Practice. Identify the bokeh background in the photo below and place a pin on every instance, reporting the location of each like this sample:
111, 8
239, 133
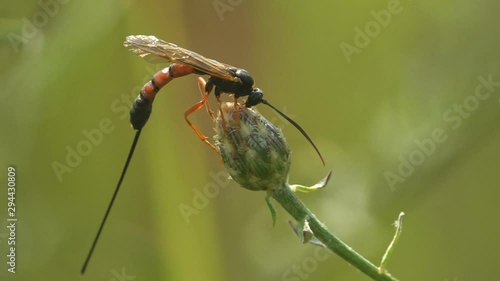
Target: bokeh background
371, 112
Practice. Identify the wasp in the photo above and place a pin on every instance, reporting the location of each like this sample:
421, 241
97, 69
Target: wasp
223, 78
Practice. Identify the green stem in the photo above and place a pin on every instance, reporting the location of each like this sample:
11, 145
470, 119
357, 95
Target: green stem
390, 249
291, 203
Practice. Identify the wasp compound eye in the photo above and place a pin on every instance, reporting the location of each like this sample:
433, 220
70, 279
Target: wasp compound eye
254, 151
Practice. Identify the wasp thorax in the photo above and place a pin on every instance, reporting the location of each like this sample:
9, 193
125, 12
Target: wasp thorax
254, 151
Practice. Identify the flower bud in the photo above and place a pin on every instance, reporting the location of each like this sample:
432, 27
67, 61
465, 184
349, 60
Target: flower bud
254, 151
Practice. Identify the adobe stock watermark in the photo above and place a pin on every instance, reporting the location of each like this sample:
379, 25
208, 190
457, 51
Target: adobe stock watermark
454, 117
309, 265
201, 198
92, 138
363, 36
223, 6
121, 276
31, 26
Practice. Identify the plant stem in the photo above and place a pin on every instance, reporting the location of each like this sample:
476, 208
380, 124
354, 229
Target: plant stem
390, 249
292, 204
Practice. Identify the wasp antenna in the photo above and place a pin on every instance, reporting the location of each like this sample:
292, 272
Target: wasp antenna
298, 128
124, 171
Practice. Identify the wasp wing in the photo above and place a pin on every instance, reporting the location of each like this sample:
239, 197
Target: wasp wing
150, 48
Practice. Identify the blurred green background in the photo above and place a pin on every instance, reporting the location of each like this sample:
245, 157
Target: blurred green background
372, 109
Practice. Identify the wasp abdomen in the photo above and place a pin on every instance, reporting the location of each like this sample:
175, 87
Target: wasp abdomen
141, 109
140, 112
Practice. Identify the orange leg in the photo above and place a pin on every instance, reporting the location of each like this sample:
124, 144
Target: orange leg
192, 110
221, 115
201, 85
236, 110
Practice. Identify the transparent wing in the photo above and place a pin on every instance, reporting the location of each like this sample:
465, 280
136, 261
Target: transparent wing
150, 48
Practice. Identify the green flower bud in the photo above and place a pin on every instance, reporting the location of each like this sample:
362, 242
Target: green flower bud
254, 151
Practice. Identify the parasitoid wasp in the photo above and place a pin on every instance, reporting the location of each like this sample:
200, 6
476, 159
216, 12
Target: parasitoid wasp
223, 78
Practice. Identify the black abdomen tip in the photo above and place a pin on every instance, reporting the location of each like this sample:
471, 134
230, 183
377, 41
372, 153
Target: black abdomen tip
140, 112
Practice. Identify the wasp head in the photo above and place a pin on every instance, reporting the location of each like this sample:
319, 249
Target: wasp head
254, 98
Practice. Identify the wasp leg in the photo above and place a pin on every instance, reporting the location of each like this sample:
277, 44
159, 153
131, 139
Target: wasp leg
192, 110
219, 104
236, 110
202, 85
